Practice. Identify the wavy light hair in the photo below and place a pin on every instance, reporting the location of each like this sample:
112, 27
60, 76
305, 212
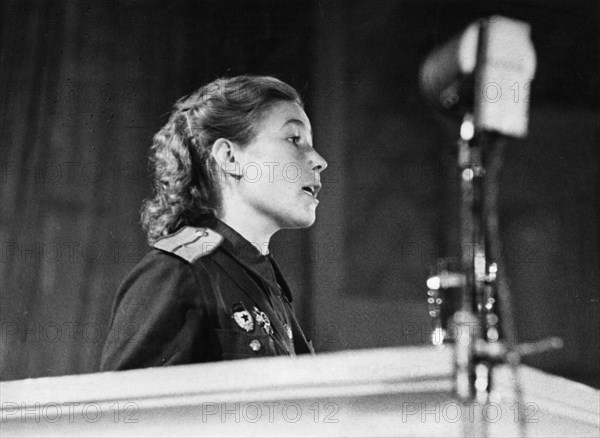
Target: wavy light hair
186, 186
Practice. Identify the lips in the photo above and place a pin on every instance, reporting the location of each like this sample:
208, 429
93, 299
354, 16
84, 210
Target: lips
312, 189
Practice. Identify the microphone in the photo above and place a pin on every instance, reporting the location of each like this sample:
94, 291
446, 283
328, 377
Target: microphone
486, 70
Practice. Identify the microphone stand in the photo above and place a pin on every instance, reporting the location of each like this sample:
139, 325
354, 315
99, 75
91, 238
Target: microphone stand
483, 328
472, 375
494, 51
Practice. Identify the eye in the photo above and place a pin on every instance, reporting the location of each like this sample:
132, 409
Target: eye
294, 139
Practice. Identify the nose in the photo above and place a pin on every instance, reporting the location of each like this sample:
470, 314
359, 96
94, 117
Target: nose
317, 162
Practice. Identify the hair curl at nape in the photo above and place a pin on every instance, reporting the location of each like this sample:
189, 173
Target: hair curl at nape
186, 186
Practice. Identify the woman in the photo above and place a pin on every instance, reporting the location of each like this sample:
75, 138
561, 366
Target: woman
233, 165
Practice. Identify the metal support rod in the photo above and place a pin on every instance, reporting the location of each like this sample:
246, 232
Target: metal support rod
473, 265
495, 150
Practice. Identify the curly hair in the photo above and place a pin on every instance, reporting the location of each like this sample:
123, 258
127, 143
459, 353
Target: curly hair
186, 187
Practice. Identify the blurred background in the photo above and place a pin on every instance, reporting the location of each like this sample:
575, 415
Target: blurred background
84, 85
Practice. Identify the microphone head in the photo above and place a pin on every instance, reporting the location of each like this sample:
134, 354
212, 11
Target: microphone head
506, 64
446, 74
486, 70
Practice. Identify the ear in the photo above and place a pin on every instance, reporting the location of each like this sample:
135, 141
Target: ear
224, 152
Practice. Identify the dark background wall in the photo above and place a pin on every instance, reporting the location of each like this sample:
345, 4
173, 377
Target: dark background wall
85, 85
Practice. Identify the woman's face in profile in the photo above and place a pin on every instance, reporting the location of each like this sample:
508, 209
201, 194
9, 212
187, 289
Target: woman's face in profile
281, 169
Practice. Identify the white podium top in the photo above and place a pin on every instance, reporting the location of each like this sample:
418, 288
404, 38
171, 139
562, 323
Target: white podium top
382, 392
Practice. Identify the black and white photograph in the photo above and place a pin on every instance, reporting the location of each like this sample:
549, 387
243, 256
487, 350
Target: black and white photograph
285, 218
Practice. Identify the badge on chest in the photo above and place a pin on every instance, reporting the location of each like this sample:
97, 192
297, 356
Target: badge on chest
263, 321
242, 317
246, 320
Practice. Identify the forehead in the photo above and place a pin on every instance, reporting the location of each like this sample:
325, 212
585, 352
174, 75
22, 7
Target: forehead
283, 114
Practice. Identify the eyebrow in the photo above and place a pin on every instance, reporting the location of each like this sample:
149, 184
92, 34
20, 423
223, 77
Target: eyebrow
296, 122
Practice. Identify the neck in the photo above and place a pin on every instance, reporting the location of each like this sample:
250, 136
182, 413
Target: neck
248, 224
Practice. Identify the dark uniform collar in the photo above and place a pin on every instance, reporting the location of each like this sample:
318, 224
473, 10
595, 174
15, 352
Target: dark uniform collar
246, 253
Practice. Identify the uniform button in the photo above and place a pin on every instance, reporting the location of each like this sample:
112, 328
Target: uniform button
255, 345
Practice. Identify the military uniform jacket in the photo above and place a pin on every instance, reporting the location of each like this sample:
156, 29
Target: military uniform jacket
202, 294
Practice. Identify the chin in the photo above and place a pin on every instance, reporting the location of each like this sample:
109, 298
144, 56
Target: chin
309, 222
303, 221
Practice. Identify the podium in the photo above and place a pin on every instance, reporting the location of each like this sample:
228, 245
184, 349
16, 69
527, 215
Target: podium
379, 392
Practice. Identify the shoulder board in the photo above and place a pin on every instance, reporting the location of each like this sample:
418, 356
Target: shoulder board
190, 243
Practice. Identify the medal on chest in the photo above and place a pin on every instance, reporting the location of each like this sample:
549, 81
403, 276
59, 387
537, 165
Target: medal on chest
242, 317
288, 330
263, 321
